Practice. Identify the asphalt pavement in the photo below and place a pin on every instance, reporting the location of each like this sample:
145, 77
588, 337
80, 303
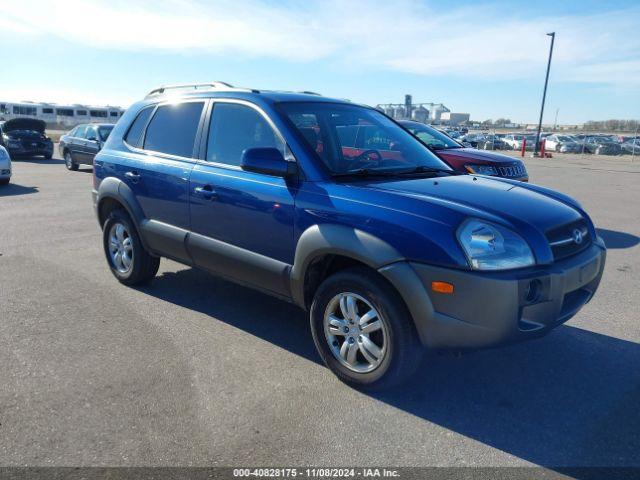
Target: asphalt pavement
193, 370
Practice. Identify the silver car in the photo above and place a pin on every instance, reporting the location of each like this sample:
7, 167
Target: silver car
5, 166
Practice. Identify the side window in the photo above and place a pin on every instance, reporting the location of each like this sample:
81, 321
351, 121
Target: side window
91, 133
428, 138
375, 138
347, 135
173, 129
81, 131
134, 135
233, 129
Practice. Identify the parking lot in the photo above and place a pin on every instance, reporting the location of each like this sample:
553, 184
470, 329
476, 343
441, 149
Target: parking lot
192, 370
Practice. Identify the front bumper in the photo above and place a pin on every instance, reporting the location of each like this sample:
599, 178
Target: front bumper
492, 308
22, 150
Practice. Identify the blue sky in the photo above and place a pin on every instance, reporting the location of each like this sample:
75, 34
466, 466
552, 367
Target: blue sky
485, 58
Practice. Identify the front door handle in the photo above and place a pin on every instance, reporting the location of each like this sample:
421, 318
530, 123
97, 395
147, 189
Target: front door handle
133, 176
206, 192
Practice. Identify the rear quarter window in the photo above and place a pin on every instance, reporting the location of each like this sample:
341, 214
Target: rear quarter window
134, 135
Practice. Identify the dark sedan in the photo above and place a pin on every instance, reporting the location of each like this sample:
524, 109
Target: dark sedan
25, 137
81, 144
600, 146
468, 160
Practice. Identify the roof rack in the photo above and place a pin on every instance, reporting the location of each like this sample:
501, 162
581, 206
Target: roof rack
308, 92
196, 86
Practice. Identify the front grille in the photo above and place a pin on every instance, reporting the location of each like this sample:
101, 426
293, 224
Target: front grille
569, 239
33, 144
515, 170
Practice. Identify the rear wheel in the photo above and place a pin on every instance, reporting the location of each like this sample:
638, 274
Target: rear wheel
129, 261
68, 161
363, 330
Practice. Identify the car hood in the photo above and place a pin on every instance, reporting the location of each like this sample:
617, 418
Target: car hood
24, 124
475, 155
515, 205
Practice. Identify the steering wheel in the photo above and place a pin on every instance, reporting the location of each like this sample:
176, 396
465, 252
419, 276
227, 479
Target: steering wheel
364, 157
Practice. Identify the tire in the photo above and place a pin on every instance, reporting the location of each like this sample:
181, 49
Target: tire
48, 156
68, 161
4, 181
120, 236
398, 352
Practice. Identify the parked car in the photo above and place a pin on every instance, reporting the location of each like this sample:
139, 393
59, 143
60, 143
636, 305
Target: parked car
5, 166
493, 142
632, 147
81, 145
25, 137
562, 143
467, 160
472, 139
389, 249
514, 140
600, 146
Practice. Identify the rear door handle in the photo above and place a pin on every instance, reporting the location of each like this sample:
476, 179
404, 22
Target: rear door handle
206, 192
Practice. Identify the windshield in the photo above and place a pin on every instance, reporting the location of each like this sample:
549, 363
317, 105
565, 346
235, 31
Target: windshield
104, 132
564, 138
432, 137
347, 138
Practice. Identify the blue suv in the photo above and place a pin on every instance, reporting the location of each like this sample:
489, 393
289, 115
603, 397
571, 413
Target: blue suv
388, 248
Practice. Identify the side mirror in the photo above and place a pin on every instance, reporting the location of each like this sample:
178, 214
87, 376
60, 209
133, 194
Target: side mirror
268, 161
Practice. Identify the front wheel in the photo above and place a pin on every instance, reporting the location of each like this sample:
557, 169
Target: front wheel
363, 331
129, 261
68, 161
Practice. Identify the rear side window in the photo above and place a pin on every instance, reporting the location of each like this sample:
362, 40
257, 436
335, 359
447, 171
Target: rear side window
233, 129
81, 132
173, 129
134, 135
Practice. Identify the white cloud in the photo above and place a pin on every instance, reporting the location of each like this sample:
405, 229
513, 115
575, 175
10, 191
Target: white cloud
405, 36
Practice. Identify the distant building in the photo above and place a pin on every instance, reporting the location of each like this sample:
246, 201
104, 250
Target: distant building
60, 115
451, 118
420, 112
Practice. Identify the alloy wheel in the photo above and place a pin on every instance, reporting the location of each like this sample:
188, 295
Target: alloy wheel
356, 332
120, 248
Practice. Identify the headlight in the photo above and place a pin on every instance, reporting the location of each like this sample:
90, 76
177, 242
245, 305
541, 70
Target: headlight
4, 155
482, 169
491, 247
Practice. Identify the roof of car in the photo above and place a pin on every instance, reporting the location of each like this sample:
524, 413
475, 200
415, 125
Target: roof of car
225, 90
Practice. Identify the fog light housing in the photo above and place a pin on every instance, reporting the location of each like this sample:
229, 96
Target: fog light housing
533, 291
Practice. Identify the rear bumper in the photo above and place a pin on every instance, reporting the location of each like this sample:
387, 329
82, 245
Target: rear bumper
489, 309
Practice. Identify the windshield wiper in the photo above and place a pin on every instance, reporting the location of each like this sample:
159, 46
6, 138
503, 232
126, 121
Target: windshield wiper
365, 172
422, 169
368, 172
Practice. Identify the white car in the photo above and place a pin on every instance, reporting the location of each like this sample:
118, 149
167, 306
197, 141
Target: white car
5, 166
562, 143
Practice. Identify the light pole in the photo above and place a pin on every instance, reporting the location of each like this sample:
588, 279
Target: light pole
544, 93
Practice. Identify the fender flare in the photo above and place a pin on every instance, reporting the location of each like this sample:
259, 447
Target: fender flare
370, 250
330, 239
115, 189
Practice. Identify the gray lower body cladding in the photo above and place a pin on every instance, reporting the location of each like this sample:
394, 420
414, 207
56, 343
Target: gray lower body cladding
489, 309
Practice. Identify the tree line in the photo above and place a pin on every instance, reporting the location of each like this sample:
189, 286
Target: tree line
612, 125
